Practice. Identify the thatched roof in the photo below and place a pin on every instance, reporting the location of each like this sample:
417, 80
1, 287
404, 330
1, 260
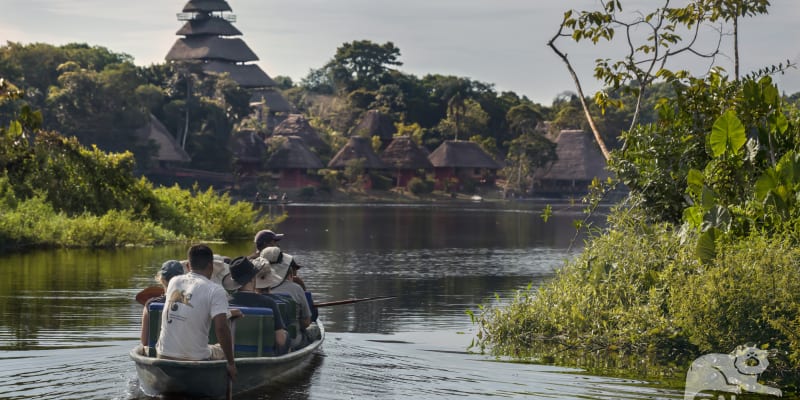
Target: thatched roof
273, 99
210, 48
246, 75
403, 153
356, 148
292, 154
579, 158
459, 154
248, 147
375, 123
297, 125
168, 147
208, 26
206, 6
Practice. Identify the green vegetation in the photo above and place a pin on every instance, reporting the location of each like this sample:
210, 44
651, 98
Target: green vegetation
55, 192
701, 256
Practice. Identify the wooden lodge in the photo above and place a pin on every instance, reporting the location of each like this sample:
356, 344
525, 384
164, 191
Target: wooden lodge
292, 164
376, 123
358, 148
463, 162
579, 162
406, 160
210, 41
297, 125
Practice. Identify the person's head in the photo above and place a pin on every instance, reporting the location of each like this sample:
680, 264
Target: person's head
242, 274
201, 258
169, 269
266, 238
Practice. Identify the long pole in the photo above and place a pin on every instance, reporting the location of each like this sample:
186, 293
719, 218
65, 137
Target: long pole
350, 301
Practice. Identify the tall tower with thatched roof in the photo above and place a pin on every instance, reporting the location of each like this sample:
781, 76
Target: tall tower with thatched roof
210, 40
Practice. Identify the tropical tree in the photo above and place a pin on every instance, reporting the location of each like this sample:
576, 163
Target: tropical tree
362, 63
647, 54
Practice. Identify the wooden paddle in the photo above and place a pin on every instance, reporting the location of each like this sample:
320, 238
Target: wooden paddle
350, 301
149, 293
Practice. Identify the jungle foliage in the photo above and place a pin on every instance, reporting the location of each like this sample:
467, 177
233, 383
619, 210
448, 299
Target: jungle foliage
702, 254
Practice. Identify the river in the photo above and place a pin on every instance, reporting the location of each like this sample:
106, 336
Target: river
68, 317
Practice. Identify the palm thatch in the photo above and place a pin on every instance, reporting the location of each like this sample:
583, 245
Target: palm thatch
206, 6
403, 153
579, 158
357, 148
208, 26
210, 48
375, 123
459, 154
297, 125
248, 147
168, 148
246, 75
271, 98
291, 153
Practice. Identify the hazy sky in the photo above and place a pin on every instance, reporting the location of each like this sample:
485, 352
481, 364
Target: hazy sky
495, 41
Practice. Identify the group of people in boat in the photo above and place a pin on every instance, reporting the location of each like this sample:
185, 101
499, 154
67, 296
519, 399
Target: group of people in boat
206, 288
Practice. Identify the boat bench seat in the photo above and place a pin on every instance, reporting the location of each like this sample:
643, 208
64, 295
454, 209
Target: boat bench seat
253, 336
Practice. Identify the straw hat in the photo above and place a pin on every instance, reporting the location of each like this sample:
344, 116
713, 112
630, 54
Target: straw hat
274, 266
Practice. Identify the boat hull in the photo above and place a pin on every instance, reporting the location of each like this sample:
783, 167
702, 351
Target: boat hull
209, 378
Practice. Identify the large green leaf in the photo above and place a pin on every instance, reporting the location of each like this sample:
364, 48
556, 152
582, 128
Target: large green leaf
706, 248
727, 135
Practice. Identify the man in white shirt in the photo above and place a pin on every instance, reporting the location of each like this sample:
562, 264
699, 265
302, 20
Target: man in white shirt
193, 302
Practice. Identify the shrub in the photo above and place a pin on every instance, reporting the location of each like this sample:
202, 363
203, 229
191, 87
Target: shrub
419, 187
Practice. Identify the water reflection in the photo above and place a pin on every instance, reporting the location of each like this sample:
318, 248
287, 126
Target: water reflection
68, 318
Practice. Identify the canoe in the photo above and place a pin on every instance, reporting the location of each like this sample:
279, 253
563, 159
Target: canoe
209, 378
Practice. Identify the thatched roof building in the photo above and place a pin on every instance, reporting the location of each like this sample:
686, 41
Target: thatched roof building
460, 154
210, 26
248, 148
403, 154
207, 48
376, 123
406, 159
292, 161
463, 162
357, 148
208, 39
297, 125
291, 153
579, 161
247, 76
169, 151
206, 6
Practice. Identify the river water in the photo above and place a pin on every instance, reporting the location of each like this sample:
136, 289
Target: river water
68, 317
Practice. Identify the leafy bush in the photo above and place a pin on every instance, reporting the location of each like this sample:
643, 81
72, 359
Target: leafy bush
419, 187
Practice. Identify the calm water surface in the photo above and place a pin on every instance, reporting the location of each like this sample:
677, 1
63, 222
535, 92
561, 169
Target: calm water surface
68, 318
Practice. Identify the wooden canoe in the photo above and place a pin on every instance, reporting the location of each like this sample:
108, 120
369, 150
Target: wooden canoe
209, 378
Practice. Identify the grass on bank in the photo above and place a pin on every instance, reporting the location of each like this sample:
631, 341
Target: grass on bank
640, 290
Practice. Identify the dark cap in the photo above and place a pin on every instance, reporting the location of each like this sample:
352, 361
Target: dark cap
170, 269
242, 271
264, 237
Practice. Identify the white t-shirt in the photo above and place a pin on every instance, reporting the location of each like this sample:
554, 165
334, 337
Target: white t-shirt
192, 302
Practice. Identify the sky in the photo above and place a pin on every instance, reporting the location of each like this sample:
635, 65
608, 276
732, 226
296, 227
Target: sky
501, 42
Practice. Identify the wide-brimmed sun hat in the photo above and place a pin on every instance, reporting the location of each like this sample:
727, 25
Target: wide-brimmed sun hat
242, 271
274, 267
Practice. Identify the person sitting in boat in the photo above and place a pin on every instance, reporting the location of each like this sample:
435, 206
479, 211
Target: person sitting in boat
169, 269
192, 303
267, 238
276, 280
242, 280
